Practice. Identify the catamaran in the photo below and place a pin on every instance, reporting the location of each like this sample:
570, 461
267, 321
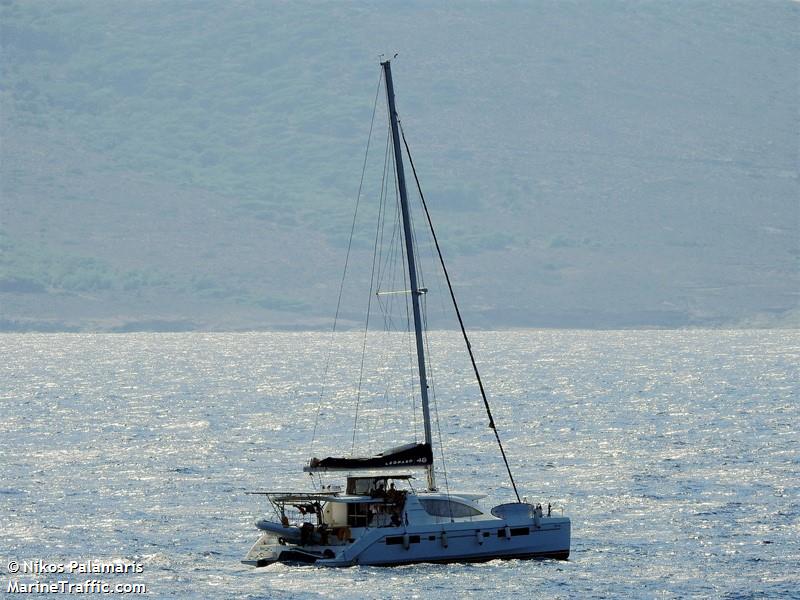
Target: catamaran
380, 517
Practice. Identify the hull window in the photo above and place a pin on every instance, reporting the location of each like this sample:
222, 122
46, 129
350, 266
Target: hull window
396, 540
443, 508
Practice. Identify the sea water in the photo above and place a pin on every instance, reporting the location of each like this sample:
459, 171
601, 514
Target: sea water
675, 453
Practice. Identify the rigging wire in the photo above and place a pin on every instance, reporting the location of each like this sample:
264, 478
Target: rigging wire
411, 343
366, 323
492, 424
384, 265
390, 265
430, 370
401, 258
431, 378
388, 272
346, 262
384, 308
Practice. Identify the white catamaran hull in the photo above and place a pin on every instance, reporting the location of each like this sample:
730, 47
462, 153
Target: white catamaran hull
476, 541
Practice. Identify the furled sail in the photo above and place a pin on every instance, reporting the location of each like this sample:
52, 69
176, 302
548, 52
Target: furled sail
408, 456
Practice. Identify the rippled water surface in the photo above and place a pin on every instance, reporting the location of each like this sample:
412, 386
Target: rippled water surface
675, 454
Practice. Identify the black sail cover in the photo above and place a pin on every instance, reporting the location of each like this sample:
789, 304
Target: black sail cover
411, 455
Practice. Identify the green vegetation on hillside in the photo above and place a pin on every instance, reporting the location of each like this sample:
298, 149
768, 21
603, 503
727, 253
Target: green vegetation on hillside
581, 161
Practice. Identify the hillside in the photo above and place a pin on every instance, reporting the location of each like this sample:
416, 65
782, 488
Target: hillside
194, 165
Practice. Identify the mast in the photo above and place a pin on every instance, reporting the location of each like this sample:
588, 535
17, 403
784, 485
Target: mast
412, 269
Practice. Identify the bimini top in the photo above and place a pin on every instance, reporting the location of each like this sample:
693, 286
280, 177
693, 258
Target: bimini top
401, 457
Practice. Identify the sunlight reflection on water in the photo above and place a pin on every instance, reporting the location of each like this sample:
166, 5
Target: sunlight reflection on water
675, 453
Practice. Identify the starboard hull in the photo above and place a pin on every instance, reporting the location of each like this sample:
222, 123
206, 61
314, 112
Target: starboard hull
451, 543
